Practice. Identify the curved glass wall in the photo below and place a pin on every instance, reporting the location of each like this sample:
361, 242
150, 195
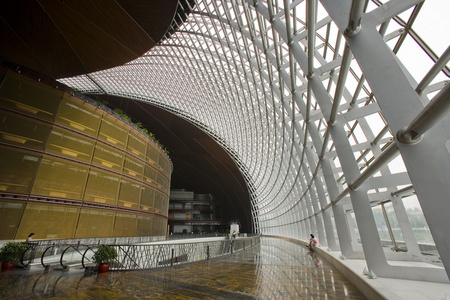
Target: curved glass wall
333, 111
72, 170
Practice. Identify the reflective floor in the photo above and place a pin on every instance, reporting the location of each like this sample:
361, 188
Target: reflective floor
277, 269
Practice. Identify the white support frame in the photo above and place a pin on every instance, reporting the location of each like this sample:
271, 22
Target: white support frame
313, 104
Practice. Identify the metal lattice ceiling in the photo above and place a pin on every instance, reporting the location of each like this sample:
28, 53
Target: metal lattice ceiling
309, 98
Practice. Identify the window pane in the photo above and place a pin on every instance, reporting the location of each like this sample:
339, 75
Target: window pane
130, 193
133, 167
112, 131
147, 199
48, 221
102, 187
94, 223
18, 168
108, 157
29, 96
125, 225
60, 178
150, 175
145, 225
137, 144
10, 214
69, 144
79, 115
23, 131
152, 155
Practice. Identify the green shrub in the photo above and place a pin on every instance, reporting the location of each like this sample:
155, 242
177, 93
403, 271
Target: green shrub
104, 254
12, 252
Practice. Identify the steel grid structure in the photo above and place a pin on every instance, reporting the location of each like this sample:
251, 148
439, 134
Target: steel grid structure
321, 111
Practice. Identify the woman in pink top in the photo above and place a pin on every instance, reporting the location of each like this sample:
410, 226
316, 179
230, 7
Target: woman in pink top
313, 243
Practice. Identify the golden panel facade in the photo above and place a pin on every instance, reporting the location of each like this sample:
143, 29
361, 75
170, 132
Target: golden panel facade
60, 178
129, 193
136, 144
23, 131
23, 94
10, 215
79, 115
147, 199
102, 187
107, 157
95, 223
48, 221
63, 142
133, 167
125, 225
112, 131
75, 170
144, 226
18, 168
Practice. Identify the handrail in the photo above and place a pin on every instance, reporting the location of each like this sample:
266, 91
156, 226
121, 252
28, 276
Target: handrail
32, 253
143, 255
84, 255
149, 256
43, 254
62, 254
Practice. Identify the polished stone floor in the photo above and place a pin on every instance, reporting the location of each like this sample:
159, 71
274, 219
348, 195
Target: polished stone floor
277, 269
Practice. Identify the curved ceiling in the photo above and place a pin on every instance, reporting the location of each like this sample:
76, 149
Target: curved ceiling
328, 108
311, 99
72, 37
200, 164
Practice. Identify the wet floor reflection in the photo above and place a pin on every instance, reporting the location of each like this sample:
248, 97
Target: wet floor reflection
277, 269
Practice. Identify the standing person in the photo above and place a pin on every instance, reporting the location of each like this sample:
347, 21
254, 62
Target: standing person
313, 243
233, 235
29, 238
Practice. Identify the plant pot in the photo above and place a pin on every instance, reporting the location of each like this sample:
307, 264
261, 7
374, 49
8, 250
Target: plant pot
7, 266
103, 268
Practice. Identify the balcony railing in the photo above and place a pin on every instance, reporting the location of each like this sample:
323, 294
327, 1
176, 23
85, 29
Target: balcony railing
133, 253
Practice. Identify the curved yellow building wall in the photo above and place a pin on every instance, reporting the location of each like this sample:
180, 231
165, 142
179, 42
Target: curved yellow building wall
69, 169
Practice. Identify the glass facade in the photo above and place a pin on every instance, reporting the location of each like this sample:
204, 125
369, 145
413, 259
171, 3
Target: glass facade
72, 170
329, 108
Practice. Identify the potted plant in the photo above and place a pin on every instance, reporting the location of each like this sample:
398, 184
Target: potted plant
10, 254
104, 255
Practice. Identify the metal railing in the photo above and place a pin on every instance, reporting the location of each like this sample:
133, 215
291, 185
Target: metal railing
132, 253
134, 257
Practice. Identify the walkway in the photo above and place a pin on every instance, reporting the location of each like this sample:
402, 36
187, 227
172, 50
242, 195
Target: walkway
277, 269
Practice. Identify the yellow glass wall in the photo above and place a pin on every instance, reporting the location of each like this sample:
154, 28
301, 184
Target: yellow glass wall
18, 168
102, 187
129, 193
23, 131
147, 199
79, 115
107, 157
25, 95
72, 170
72, 145
95, 223
10, 214
144, 226
125, 225
112, 131
60, 178
48, 221
133, 167
136, 145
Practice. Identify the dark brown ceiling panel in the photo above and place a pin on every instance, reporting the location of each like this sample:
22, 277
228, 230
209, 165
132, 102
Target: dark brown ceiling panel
72, 37
148, 15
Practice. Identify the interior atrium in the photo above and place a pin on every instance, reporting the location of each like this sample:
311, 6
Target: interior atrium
335, 113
